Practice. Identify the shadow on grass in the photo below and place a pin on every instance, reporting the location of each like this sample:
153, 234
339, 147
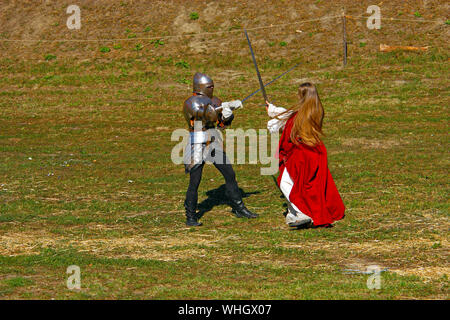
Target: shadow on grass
217, 197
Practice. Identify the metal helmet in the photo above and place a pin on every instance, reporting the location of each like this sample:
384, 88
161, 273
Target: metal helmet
203, 85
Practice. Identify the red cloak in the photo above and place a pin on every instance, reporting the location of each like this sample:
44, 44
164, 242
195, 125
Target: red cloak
314, 192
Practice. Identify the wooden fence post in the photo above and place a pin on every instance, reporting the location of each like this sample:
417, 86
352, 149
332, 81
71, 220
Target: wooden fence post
344, 36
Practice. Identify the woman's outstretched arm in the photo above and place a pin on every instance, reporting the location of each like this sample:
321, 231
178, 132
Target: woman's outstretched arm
277, 123
274, 111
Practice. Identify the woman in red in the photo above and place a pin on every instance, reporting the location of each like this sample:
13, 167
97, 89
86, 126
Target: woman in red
305, 180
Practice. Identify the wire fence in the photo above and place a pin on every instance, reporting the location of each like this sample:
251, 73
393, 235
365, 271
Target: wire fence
200, 34
314, 39
165, 37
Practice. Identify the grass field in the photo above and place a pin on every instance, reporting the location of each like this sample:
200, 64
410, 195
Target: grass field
86, 179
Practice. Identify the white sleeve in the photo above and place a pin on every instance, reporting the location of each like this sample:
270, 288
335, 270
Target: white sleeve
226, 112
229, 106
273, 111
234, 104
275, 125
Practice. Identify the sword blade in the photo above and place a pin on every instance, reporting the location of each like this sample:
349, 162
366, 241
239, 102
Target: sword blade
270, 82
261, 84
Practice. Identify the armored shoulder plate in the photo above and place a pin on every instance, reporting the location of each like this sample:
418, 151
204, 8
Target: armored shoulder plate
200, 108
216, 101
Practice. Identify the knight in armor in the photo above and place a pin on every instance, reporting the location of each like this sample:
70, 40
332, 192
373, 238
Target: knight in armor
204, 114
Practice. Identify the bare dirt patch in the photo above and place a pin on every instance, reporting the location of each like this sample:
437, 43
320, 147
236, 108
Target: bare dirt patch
430, 272
365, 143
375, 249
165, 248
26, 243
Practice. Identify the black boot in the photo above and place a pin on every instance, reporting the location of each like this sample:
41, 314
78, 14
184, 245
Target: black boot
191, 215
237, 204
240, 210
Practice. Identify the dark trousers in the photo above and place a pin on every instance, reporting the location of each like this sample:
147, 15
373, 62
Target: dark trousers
231, 185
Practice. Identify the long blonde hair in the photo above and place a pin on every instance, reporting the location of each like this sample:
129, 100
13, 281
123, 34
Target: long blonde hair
309, 118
